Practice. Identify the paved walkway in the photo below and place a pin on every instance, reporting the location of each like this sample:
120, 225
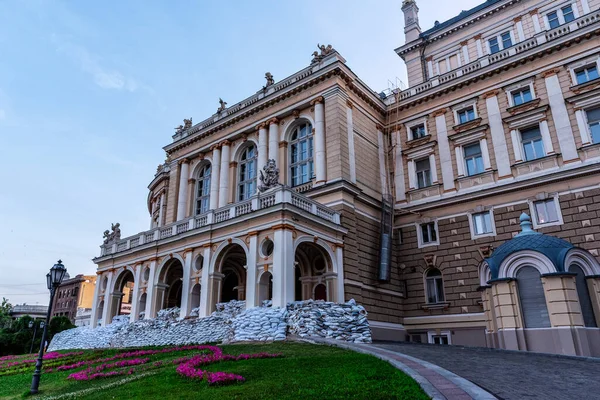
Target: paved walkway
512, 375
437, 382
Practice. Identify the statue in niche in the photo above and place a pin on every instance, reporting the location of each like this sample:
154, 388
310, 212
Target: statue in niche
269, 176
270, 79
222, 107
114, 236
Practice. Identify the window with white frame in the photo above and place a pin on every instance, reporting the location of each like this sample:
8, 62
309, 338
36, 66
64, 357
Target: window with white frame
203, 190
428, 233
533, 146
499, 42
546, 211
563, 15
465, 115
418, 131
586, 73
521, 96
520, 93
301, 154
448, 63
473, 159
441, 338
423, 172
482, 223
434, 286
593, 119
247, 173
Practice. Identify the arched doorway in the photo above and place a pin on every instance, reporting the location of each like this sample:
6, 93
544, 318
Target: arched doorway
195, 298
229, 280
265, 287
314, 275
142, 307
169, 288
99, 313
122, 294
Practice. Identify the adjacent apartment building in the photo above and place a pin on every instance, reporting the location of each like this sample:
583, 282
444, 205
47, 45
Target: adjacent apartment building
464, 209
73, 295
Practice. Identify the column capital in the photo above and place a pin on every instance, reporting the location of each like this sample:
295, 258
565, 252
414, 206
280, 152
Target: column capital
233, 164
283, 144
517, 19
187, 250
379, 127
464, 42
201, 156
477, 37
491, 93
215, 147
191, 180
533, 12
429, 58
273, 121
550, 72
318, 100
439, 112
262, 125
225, 143
349, 103
296, 114
183, 161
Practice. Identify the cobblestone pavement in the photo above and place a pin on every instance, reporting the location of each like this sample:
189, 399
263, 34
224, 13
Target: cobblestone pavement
513, 375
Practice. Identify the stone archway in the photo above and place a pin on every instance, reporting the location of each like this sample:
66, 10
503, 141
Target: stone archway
229, 278
170, 285
314, 276
142, 306
265, 287
99, 313
195, 297
122, 294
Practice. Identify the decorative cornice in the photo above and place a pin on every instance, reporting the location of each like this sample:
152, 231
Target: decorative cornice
318, 100
284, 226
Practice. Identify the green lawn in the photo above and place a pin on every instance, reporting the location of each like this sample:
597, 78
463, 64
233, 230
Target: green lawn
305, 372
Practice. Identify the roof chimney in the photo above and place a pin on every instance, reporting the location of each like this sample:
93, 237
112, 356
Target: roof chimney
412, 30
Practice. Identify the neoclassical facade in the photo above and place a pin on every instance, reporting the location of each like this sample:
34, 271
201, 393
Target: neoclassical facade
404, 200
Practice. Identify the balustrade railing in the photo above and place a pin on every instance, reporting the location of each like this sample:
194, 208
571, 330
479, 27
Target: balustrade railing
282, 194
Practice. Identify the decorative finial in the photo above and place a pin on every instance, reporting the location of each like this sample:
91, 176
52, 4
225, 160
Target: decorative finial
526, 225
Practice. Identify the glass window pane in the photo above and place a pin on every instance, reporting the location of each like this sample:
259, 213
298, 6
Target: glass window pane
425, 233
506, 40
530, 134
568, 14
538, 147
472, 150
431, 291
529, 152
494, 47
592, 73
581, 76
595, 132
294, 153
440, 289
553, 20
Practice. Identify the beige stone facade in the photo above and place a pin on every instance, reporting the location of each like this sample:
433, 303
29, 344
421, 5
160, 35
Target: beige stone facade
73, 294
501, 117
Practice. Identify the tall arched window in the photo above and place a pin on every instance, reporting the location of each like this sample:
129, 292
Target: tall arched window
247, 173
301, 154
532, 298
583, 293
203, 190
434, 286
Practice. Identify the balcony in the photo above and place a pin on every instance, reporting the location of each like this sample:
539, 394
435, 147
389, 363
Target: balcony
279, 196
537, 41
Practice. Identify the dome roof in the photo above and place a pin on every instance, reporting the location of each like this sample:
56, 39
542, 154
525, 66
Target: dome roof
554, 248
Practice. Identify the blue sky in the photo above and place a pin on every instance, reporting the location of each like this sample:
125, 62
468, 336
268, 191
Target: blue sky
90, 93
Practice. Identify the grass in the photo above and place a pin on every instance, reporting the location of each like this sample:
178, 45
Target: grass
305, 372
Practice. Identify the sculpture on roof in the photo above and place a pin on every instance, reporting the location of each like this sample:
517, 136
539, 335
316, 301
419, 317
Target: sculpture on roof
223, 105
269, 78
269, 176
187, 124
324, 52
114, 236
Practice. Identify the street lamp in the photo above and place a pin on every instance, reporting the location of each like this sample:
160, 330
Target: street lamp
53, 279
34, 326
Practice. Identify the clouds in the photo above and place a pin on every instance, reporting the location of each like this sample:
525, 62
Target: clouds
92, 64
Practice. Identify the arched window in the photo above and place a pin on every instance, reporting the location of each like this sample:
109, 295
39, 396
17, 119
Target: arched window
532, 298
434, 286
247, 173
301, 154
203, 190
583, 293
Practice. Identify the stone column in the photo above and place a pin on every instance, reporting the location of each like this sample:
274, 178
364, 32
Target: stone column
433, 167
351, 152
215, 279
498, 137
430, 66
460, 161
519, 25
215, 177
444, 151
106, 317
536, 20
319, 135
339, 256
97, 291
382, 163
485, 154
585, 6
262, 146
151, 291
184, 171
273, 142
224, 180
516, 142
204, 288
283, 267
251, 295
399, 182
583, 127
593, 284
560, 115
134, 316
546, 138
185, 287
412, 182
508, 318
478, 46
161, 211
464, 47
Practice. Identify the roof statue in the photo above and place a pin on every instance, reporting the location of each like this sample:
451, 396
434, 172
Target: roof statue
187, 124
269, 176
114, 236
324, 52
223, 105
269, 78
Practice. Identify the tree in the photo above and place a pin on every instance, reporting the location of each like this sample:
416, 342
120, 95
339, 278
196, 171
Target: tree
5, 309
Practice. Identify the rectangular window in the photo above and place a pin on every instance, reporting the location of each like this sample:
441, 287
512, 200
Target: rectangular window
553, 21
568, 14
440, 339
466, 115
533, 146
418, 131
545, 211
586, 74
423, 173
473, 159
442, 66
506, 40
453, 62
482, 223
521, 96
494, 46
428, 233
593, 117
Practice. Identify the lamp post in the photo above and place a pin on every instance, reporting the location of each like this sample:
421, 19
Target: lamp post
53, 279
34, 326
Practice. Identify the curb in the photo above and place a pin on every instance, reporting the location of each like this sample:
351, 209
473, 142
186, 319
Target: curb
467, 386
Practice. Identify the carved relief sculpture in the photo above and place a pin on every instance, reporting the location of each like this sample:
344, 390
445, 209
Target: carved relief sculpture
269, 176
